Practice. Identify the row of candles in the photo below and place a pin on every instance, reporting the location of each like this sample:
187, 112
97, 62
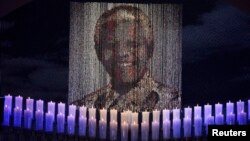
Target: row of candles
128, 121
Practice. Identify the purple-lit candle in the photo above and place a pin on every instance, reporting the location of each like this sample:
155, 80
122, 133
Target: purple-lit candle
155, 125
51, 109
197, 121
28, 113
103, 123
176, 124
39, 115
71, 119
82, 120
18, 111
230, 116
187, 122
249, 110
124, 126
7, 109
92, 122
145, 126
219, 117
113, 124
134, 127
241, 115
166, 124
210, 121
61, 117
207, 112
49, 118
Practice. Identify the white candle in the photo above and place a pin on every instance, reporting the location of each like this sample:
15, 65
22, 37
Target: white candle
187, 122
61, 108
83, 111
129, 116
27, 118
92, 126
124, 131
156, 115
124, 117
30, 105
230, 119
230, 108
135, 117
218, 109
145, 117
19, 102
230, 116
176, 113
103, 124
240, 112
61, 117
92, 113
39, 105
176, 128
155, 130
51, 109
210, 121
17, 117
102, 129
144, 131
82, 125
197, 111
39, 120
113, 115
49, 119
240, 106
7, 109
207, 112
18, 111
72, 110
219, 119
71, 124
113, 130
166, 129
134, 131
60, 122
165, 114
198, 126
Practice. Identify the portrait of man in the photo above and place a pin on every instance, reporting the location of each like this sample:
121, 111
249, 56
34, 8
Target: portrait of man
124, 44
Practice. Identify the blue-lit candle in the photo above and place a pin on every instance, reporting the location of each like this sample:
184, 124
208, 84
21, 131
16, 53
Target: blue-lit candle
230, 118
210, 121
28, 113
18, 111
166, 124
92, 122
197, 121
219, 117
39, 115
49, 118
71, 119
176, 124
155, 125
82, 120
249, 110
187, 122
241, 115
207, 112
7, 109
51, 109
61, 117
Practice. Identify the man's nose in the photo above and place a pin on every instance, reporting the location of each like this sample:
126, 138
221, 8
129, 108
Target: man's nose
124, 51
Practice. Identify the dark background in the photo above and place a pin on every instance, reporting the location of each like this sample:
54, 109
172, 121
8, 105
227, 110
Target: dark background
34, 40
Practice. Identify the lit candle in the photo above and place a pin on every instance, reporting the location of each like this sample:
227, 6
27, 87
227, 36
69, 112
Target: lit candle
155, 125
113, 124
241, 115
113, 130
71, 119
207, 112
92, 122
61, 117
145, 126
82, 120
30, 105
39, 115
103, 124
7, 109
197, 121
176, 124
129, 116
166, 124
124, 131
49, 122
187, 122
27, 118
51, 109
230, 118
134, 127
219, 117
18, 111
249, 109
71, 124
210, 121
